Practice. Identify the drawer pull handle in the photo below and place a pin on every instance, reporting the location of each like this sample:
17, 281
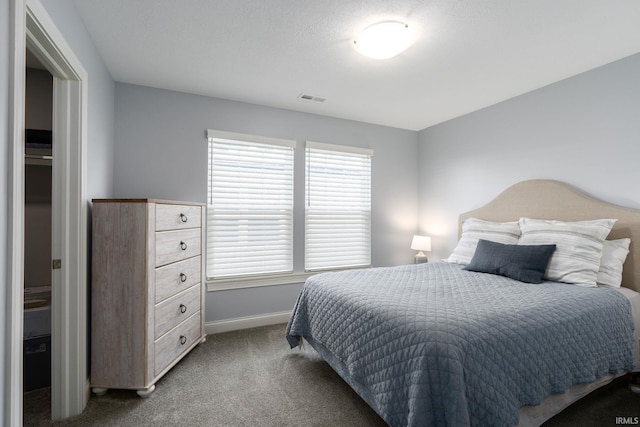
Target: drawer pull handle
183, 308
183, 246
183, 277
183, 340
183, 217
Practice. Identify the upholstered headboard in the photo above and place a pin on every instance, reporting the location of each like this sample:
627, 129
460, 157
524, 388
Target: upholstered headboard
546, 199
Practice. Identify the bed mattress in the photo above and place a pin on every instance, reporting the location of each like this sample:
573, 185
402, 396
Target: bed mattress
535, 415
432, 344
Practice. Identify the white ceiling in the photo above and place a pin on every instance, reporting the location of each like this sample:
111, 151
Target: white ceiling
470, 53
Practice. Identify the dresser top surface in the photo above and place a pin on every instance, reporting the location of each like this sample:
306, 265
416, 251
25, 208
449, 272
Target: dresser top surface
157, 201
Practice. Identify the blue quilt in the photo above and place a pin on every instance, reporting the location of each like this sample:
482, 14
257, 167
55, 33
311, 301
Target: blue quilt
434, 345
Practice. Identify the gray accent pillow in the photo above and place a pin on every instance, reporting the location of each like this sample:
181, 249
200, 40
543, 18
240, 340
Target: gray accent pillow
526, 263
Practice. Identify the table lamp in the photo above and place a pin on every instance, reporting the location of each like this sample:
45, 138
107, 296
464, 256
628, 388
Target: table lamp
420, 244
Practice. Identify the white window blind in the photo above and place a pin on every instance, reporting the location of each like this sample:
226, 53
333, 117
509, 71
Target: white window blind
338, 207
250, 205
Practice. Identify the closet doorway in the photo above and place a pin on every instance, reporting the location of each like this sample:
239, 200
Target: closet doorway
36, 362
31, 24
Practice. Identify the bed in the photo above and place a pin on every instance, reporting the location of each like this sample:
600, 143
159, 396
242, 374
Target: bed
438, 344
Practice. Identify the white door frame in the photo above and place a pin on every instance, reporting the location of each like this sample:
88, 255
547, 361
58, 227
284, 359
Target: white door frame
12, 390
69, 382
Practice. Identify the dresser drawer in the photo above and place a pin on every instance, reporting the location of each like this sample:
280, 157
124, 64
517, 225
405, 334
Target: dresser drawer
176, 309
176, 342
177, 277
174, 217
172, 246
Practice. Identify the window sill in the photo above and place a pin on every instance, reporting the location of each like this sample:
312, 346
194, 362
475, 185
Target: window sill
257, 281
266, 280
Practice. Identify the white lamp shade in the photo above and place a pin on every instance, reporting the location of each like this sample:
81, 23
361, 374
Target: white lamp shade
421, 243
384, 40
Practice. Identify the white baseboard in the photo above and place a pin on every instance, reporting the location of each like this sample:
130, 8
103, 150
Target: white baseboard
238, 323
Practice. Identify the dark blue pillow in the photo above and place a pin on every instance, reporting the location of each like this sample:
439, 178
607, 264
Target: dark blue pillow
526, 263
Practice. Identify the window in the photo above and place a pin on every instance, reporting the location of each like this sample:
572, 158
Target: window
250, 205
338, 207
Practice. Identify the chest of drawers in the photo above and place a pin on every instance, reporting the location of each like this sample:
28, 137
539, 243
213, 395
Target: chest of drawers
147, 290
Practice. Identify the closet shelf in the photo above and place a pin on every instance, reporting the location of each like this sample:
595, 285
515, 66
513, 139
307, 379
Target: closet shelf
36, 159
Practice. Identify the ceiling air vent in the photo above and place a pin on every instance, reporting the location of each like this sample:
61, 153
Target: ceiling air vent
311, 97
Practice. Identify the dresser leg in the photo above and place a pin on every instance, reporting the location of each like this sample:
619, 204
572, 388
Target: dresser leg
203, 339
146, 392
99, 391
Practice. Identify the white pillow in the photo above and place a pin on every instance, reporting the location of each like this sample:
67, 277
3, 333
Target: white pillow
578, 247
474, 229
614, 252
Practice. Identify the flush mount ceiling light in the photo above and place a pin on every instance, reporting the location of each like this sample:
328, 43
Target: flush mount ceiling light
384, 40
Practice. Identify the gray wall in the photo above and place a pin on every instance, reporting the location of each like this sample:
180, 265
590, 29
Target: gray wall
100, 111
584, 131
161, 152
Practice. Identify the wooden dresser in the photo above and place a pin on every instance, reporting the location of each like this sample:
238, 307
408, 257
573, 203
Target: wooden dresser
147, 290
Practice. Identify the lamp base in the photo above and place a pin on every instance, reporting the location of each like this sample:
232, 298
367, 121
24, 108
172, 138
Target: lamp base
420, 259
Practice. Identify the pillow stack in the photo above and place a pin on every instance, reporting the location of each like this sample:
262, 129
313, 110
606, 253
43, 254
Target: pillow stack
578, 247
530, 250
614, 253
475, 229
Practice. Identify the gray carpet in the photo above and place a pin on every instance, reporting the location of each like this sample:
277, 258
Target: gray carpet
251, 378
